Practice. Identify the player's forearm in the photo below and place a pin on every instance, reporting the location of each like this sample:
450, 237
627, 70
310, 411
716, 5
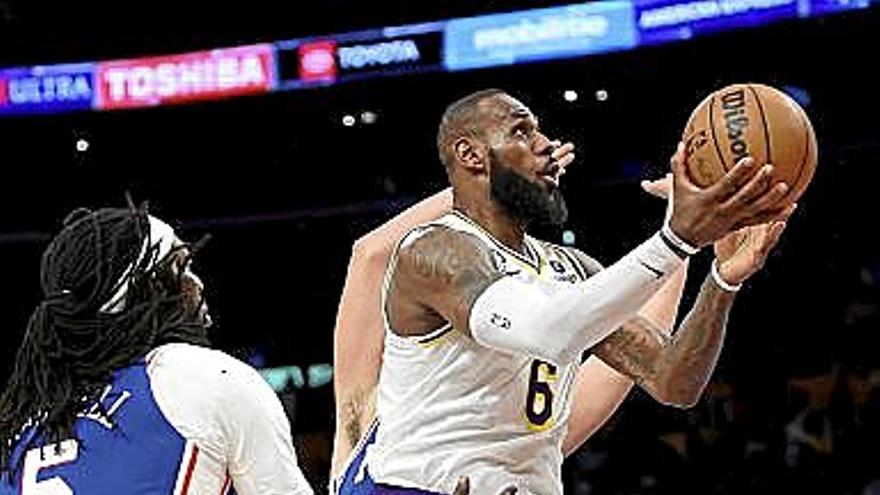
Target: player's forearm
599, 389
691, 354
359, 328
674, 370
557, 321
381, 241
359, 325
662, 308
358, 338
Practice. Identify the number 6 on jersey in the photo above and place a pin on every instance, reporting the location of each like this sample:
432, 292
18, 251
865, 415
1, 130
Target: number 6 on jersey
539, 400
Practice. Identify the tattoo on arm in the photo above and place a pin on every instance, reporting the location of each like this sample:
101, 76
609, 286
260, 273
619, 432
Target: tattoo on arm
635, 350
674, 369
447, 271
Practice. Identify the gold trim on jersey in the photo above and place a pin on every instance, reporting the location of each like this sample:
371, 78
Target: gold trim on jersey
539, 428
435, 337
537, 264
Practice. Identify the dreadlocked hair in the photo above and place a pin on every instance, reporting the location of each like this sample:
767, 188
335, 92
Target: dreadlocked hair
71, 347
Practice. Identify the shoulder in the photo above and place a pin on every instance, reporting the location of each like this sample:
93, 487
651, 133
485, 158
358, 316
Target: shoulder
431, 236
433, 251
198, 375
200, 363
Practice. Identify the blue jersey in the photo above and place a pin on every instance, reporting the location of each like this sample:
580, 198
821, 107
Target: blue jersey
356, 479
164, 439
137, 452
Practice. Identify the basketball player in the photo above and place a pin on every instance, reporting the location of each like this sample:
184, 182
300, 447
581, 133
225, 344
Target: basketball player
114, 390
360, 331
480, 314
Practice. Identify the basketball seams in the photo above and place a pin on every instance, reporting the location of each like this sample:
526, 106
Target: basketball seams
768, 156
806, 126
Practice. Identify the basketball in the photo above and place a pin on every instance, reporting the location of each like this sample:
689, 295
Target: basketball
751, 120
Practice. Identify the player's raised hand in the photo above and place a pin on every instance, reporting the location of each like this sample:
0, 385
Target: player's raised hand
661, 188
562, 155
742, 253
743, 196
658, 187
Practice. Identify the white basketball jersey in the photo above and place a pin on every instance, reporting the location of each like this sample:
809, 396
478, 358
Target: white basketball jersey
186, 420
449, 407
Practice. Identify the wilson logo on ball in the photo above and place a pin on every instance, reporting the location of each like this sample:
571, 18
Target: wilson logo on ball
736, 122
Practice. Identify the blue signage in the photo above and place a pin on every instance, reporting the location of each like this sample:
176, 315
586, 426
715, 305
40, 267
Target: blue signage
539, 34
822, 7
46, 89
661, 21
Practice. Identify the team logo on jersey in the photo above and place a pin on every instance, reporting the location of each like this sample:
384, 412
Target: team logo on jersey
562, 274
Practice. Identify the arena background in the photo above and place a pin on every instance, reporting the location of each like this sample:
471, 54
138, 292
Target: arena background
285, 188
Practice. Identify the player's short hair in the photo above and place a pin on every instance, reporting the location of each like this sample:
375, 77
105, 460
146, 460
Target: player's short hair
460, 118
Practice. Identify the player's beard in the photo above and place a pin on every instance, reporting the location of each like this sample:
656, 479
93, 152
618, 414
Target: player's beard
523, 199
196, 316
195, 308
200, 315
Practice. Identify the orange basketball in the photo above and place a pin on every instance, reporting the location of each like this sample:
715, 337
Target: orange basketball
751, 120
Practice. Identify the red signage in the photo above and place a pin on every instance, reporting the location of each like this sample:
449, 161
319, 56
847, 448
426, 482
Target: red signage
317, 61
188, 77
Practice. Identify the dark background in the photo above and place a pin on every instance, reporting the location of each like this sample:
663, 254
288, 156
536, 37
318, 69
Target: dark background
284, 189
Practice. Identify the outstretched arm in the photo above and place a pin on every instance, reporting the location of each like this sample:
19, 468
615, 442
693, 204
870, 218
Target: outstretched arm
359, 331
675, 370
446, 275
599, 389
637, 350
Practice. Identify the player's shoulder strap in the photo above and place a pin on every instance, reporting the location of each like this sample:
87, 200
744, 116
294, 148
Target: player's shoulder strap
453, 221
458, 220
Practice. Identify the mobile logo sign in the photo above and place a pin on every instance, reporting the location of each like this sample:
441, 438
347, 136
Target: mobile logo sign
539, 34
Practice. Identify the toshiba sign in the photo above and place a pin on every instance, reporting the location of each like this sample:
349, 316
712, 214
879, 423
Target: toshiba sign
188, 77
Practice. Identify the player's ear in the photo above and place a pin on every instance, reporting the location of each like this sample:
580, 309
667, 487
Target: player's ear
470, 153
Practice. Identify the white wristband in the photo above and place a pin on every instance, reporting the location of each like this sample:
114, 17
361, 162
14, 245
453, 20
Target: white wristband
720, 281
677, 241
